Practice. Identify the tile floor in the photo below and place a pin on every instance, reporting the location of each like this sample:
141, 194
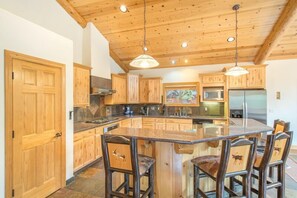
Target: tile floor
90, 184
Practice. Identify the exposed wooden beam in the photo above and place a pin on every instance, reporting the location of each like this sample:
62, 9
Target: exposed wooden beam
73, 13
118, 61
283, 22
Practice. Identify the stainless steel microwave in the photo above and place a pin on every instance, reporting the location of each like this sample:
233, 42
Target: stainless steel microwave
213, 94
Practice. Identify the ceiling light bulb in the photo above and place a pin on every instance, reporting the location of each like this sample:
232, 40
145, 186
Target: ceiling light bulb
123, 8
145, 49
173, 62
184, 44
231, 39
186, 61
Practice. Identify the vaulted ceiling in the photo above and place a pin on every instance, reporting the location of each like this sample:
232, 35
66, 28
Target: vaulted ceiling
267, 29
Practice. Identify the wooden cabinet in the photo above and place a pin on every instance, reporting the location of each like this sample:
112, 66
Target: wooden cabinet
148, 123
81, 85
84, 147
98, 149
215, 78
150, 90
119, 83
126, 123
178, 124
132, 88
255, 79
136, 122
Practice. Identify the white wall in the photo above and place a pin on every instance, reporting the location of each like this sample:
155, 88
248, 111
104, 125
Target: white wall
282, 77
115, 68
99, 52
20, 35
50, 15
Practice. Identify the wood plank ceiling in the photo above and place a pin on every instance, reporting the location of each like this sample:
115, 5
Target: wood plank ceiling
204, 24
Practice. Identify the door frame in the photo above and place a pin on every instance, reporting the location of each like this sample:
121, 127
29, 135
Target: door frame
8, 65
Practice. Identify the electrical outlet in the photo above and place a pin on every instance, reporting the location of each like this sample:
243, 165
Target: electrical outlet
278, 96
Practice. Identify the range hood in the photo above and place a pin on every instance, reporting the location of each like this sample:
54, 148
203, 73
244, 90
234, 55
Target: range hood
101, 86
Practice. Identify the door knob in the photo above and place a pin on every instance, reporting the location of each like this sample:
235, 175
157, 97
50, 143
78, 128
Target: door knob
58, 135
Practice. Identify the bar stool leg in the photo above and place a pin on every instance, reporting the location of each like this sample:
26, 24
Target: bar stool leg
108, 185
220, 187
231, 180
126, 190
151, 181
136, 186
262, 183
196, 181
281, 179
246, 185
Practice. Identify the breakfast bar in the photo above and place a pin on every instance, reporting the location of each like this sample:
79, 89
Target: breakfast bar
173, 151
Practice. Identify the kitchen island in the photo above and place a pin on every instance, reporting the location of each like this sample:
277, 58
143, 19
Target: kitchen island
173, 151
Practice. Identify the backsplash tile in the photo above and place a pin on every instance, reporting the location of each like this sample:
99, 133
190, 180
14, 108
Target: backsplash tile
97, 109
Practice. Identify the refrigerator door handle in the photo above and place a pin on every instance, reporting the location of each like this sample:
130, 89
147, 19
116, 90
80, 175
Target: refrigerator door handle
243, 108
246, 110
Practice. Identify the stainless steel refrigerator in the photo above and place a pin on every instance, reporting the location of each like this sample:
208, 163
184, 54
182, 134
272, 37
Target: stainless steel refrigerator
248, 104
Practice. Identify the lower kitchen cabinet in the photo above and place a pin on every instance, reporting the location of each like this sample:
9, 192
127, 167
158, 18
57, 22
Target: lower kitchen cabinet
126, 123
136, 122
84, 146
98, 149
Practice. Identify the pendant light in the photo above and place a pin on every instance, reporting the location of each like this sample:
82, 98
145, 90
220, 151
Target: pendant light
144, 60
236, 70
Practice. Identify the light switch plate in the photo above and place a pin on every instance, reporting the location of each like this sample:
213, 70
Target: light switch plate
278, 95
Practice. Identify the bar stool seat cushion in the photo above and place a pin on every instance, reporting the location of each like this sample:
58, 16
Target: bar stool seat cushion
145, 163
209, 164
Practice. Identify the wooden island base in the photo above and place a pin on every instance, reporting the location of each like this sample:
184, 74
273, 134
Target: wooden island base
173, 172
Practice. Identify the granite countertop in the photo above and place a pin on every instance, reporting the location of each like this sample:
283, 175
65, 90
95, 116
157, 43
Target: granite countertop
236, 127
82, 126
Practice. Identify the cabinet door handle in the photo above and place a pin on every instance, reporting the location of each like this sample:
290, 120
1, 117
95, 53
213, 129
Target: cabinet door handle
58, 135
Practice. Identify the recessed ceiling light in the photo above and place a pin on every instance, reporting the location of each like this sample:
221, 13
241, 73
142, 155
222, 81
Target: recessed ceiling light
145, 49
231, 39
184, 44
173, 62
123, 8
186, 60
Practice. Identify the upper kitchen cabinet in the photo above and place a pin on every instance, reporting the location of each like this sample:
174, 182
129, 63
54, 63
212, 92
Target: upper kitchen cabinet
213, 86
119, 84
151, 90
181, 94
132, 88
81, 85
255, 79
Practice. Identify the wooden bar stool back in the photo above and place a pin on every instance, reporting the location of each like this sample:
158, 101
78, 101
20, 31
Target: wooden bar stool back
120, 155
275, 155
237, 158
280, 126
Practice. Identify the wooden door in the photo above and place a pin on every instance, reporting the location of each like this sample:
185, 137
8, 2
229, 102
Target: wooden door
98, 149
160, 126
256, 77
119, 83
78, 159
37, 124
81, 85
126, 123
172, 126
237, 82
136, 123
89, 148
144, 90
154, 95
132, 88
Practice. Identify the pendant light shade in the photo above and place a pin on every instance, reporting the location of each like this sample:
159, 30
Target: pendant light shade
144, 61
236, 70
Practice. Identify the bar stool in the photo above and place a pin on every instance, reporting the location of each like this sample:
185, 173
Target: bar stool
279, 127
275, 155
120, 155
237, 159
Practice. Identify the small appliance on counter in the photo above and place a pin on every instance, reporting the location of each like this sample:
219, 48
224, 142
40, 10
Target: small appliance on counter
128, 111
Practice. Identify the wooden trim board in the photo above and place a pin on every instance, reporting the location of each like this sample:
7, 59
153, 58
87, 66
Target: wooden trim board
9, 57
